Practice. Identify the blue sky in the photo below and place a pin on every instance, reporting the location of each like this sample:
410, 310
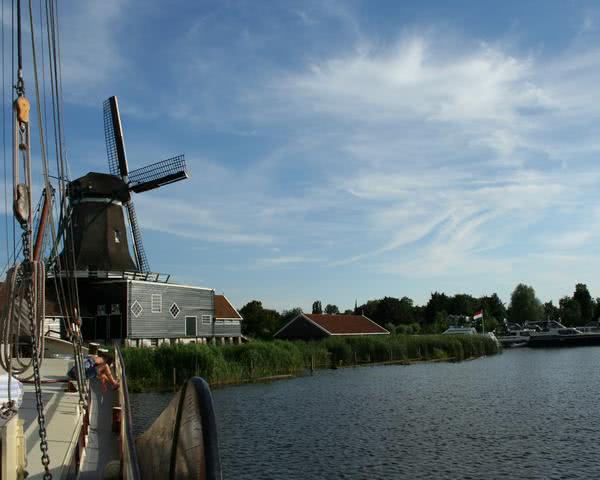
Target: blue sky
351, 150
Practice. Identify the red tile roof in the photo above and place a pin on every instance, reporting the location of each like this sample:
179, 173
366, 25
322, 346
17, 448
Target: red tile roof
346, 324
224, 309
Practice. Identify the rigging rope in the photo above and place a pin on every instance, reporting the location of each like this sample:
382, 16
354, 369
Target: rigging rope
25, 281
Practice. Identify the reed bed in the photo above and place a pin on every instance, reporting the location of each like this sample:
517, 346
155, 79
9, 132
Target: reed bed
167, 366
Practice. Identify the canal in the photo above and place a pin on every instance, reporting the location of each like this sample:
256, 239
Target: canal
524, 414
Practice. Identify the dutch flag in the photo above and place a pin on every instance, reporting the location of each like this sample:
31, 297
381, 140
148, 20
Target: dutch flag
477, 315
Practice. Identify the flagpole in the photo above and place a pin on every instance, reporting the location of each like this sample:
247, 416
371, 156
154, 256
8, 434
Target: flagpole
482, 321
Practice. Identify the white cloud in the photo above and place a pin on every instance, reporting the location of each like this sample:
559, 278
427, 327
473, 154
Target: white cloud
285, 260
450, 155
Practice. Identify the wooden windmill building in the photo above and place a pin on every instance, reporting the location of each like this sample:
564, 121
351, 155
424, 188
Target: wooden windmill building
120, 298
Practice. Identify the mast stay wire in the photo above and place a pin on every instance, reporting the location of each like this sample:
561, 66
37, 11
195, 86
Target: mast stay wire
12, 76
56, 85
5, 170
71, 316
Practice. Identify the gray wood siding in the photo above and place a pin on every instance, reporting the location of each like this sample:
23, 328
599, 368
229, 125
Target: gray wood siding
191, 302
228, 330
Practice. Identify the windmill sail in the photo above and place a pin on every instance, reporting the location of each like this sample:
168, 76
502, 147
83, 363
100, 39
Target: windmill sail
136, 233
158, 174
117, 164
113, 134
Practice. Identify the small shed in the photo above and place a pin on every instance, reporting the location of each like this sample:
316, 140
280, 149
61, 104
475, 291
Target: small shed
314, 326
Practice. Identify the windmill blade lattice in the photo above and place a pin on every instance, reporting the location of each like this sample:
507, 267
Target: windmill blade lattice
113, 134
140, 253
158, 174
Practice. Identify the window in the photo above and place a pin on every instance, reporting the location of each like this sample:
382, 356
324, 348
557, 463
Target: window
190, 326
174, 310
156, 303
101, 310
117, 236
136, 308
115, 309
206, 319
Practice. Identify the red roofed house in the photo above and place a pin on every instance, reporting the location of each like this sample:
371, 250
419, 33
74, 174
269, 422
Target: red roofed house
313, 326
227, 316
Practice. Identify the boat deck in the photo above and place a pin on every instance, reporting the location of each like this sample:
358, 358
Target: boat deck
64, 419
103, 444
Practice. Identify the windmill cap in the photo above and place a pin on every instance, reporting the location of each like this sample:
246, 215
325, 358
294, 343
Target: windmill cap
99, 185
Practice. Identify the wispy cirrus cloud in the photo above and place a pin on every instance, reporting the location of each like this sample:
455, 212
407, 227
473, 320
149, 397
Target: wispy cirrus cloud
408, 152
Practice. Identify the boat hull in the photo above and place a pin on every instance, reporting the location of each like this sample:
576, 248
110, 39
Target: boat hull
182, 441
514, 344
584, 339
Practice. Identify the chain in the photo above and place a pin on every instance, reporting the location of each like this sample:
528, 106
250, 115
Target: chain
32, 270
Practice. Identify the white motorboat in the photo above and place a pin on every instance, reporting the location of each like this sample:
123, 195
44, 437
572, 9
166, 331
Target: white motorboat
516, 338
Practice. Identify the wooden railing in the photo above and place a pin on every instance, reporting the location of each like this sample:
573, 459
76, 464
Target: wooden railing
129, 460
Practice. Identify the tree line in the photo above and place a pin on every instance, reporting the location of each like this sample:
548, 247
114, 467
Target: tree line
401, 315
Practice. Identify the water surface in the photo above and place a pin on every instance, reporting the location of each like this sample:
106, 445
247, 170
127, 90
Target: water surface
525, 414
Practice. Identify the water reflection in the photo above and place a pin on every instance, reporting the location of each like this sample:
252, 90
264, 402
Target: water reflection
524, 414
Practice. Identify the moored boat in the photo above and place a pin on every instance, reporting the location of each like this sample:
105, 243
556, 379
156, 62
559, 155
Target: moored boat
516, 338
554, 334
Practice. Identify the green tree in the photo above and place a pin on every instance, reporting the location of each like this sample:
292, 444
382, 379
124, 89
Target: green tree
551, 312
258, 321
331, 309
597, 308
388, 311
438, 302
493, 306
586, 305
570, 312
524, 305
440, 322
316, 307
488, 321
463, 304
288, 315
368, 309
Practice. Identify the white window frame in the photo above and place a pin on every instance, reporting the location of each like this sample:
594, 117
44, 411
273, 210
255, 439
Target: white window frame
156, 297
206, 319
195, 325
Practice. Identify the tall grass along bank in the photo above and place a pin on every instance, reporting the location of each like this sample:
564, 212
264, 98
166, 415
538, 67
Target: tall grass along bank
168, 365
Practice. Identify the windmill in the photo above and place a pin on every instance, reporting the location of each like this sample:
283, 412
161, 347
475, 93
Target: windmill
141, 180
97, 240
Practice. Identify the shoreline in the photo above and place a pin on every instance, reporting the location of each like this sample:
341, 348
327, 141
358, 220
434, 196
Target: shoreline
144, 385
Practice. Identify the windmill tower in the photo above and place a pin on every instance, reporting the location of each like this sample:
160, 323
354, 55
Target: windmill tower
97, 240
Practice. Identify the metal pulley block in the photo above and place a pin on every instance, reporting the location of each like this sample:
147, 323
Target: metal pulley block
21, 205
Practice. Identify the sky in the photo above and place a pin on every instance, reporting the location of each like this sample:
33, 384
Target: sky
349, 150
